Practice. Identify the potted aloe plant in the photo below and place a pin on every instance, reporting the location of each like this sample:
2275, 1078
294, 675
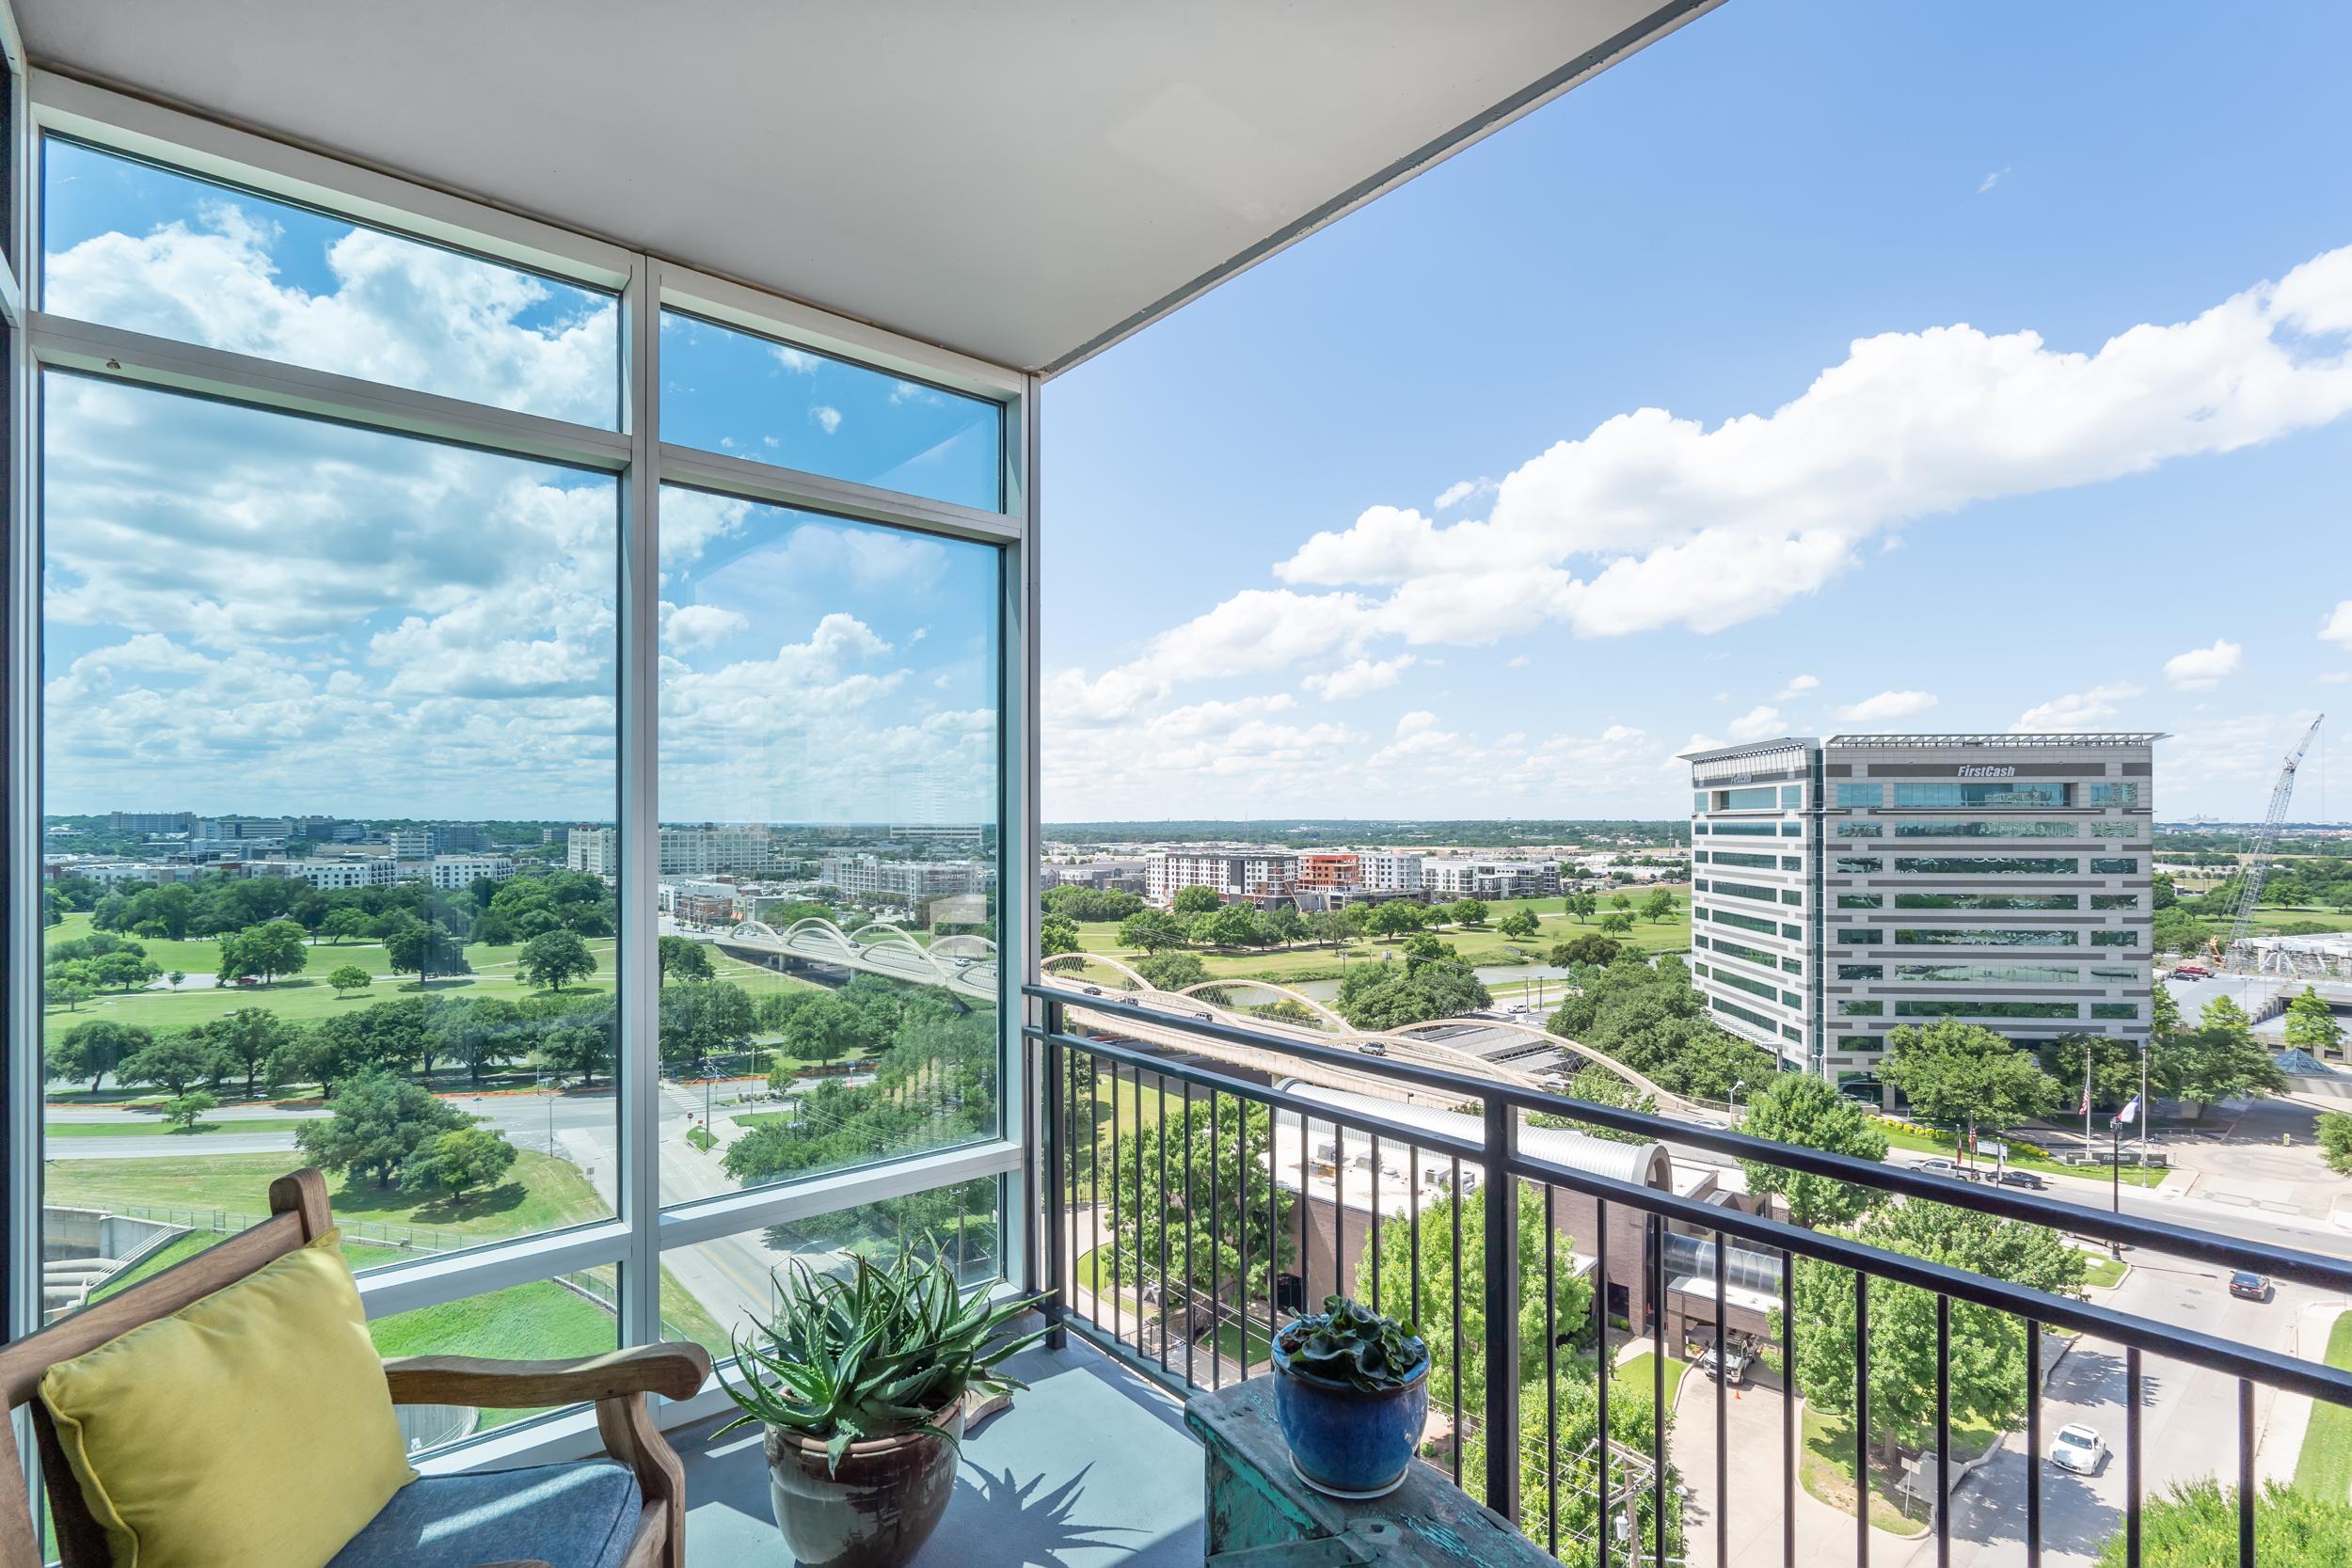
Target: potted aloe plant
860, 1382
1351, 1389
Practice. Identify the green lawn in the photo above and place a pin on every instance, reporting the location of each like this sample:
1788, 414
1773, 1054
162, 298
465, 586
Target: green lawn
1230, 1341
55, 1130
1636, 1375
2324, 1468
539, 1194
1937, 1143
1827, 1466
304, 996
2104, 1271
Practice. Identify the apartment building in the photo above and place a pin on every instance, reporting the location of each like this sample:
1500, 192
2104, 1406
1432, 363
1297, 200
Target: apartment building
463, 871
1230, 874
409, 844
1379, 871
1847, 887
901, 881
330, 874
1326, 872
1489, 878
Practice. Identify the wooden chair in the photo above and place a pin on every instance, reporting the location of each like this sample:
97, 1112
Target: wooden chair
298, 1215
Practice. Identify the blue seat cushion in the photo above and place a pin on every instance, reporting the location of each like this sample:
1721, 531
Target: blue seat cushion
566, 1516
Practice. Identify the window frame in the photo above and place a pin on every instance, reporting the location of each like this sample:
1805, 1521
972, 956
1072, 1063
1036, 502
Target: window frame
635, 1239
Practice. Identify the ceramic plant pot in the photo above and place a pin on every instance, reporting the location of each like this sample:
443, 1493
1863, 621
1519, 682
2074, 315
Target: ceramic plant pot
1347, 1441
876, 1511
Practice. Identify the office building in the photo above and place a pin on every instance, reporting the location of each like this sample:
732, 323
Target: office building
1847, 887
147, 822
901, 881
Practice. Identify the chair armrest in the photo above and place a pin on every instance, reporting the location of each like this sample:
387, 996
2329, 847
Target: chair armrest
675, 1370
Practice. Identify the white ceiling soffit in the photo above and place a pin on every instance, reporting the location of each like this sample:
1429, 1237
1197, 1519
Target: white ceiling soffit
1023, 181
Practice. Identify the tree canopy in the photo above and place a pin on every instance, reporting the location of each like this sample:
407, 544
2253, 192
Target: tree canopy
1801, 1108
1960, 1074
552, 958
378, 1125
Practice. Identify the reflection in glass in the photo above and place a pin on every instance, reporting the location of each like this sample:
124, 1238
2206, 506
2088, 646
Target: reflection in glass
130, 245
320, 705
730, 391
714, 1289
829, 851
572, 1315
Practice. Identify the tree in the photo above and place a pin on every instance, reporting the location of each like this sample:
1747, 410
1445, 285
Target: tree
249, 1038
268, 950
1431, 1275
1520, 924
2194, 1525
2311, 1025
1623, 903
1389, 995
2335, 1141
1660, 905
343, 924
1057, 934
1466, 912
1987, 1368
95, 1049
70, 995
378, 1125
1617, 924
2219, 1059
422, 948
681, 958
2114, 1068
1580, 905
1227, 925
185, 1111
577, 1045
1394, 918
1249, 1219
1598, 1085
458, 1161
1195, 900
1077, 902
1286, 923
1172, 970
172, 1063
1964, 1074
1567, 1421
347, 978
552, 958
1801, 1109
1591, 948
1151, 930
2164, 1014
482, 1032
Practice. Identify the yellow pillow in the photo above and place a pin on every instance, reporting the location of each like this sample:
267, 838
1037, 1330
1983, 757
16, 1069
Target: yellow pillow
251, 1427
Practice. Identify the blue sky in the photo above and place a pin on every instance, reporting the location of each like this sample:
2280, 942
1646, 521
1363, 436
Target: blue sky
2155, 539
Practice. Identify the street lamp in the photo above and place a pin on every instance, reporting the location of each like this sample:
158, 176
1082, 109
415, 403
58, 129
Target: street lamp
1737, 1085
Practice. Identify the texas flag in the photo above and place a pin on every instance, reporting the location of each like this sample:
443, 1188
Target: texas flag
2129, 1114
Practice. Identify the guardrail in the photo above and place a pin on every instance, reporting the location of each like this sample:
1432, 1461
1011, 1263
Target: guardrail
1183, 1240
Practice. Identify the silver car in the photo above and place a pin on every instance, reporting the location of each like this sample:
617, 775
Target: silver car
2080, 1448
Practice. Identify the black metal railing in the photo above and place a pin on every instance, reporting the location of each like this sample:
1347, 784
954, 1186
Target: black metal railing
1150, 1255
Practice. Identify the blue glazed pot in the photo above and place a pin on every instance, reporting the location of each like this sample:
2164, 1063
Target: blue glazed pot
1343, 1440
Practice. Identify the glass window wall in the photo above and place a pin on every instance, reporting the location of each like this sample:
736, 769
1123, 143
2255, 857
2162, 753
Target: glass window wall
2007, 793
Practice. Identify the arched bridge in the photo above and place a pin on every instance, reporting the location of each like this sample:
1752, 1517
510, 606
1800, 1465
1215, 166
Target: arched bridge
964, 964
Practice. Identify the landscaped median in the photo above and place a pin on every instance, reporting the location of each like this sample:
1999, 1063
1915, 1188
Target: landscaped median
2022, 1156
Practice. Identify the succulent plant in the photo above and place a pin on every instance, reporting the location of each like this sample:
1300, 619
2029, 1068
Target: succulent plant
880, 1353
1349, 1343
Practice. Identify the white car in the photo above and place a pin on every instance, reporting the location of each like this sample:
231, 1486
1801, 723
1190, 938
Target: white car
2079, 1449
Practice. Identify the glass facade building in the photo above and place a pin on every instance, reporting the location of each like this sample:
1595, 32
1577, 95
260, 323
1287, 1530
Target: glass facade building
1956, 804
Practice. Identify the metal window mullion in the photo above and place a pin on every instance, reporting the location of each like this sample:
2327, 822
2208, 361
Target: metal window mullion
732, 1214
118, 354
432, 1281
1017, 837
636, 1016
778, 485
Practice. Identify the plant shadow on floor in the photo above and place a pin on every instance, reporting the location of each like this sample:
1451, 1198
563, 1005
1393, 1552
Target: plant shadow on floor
1012, 1513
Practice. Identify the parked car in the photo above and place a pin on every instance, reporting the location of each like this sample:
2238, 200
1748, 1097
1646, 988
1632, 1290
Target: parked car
2192, 972
1373, 1048
2022, 1178
1737, 1358
2249, 1286
1941, 1167
2080, 1448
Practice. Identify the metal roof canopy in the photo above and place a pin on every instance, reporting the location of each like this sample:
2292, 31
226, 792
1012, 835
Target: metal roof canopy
1027, 183
2056, 738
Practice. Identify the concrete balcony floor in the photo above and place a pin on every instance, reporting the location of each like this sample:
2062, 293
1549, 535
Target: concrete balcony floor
1091, 1466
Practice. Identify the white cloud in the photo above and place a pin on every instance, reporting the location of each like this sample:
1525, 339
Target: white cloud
2338, 627
1797, 687
826, 417
1887, 706
685, 627
2203, 669
798, 361
1355, 681
2077, 710
1415, 723
1992, 179
1462, 490
1757, 723
1650, 521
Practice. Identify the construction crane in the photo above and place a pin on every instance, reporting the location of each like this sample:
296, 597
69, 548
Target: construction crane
2258, 866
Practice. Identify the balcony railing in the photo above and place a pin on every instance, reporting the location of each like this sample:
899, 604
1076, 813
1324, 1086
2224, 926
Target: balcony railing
1203, 1211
